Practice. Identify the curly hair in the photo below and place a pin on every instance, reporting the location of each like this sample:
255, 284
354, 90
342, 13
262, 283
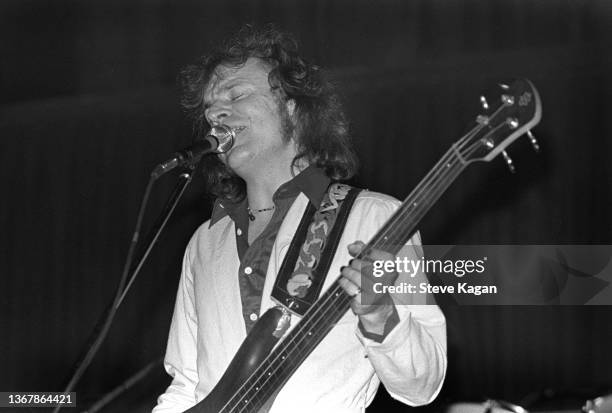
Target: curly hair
321, 127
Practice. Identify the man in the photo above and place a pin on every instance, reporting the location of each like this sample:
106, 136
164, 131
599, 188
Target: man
291, 143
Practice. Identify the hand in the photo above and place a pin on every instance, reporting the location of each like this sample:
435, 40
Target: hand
380, 307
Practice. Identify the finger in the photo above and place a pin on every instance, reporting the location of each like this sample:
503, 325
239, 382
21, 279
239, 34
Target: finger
358, 264
351, 288
381, 255
351, 281
351, 275
355, 248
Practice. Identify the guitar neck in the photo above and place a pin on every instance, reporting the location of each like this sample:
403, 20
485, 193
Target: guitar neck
507, 113
398, 229
278, 367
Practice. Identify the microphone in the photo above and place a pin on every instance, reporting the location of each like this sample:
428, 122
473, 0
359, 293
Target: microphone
219, 139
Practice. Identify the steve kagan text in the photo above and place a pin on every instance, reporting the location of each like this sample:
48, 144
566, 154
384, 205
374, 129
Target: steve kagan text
426, 288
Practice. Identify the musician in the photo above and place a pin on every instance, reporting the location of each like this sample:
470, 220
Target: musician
291, 143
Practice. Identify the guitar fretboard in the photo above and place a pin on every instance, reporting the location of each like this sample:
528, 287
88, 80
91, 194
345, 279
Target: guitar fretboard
287, 357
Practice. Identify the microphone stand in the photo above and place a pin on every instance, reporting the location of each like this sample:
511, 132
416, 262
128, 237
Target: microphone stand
160, 224
103, 325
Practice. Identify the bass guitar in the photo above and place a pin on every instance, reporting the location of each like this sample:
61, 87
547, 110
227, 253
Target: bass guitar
262, 364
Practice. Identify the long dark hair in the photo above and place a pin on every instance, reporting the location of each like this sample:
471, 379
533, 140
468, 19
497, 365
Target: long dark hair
321, 127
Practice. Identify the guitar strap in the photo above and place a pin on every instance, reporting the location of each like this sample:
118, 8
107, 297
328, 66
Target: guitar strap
302, 273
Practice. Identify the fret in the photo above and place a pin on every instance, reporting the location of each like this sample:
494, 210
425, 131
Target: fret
496, 129
286, 358
403, 223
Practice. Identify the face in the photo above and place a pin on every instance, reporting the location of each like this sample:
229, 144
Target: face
242, 98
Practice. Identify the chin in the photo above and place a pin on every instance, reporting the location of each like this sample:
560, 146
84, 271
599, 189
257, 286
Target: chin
238, 159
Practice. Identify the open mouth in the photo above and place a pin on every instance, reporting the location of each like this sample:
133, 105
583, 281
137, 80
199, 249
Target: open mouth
236, 131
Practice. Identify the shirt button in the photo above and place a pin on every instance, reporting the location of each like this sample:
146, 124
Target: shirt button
248, 270
253, 317
239, 231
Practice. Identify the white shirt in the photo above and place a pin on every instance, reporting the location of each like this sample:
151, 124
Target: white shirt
343, 373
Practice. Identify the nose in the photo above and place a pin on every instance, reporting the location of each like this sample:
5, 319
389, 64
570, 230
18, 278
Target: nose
216, 114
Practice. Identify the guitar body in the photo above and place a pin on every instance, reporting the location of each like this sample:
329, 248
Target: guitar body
255, 348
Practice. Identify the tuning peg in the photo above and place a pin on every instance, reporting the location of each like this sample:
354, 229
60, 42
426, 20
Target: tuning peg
484, 103
509, 162
534, 141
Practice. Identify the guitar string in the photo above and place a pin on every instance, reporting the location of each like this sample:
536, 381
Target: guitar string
404, 229
418, 194
316, 329
460, 144
312, 327
313, 319
270, 377
434, 174
321, 328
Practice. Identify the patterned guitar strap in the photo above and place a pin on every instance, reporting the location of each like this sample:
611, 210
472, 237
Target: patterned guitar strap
302, 273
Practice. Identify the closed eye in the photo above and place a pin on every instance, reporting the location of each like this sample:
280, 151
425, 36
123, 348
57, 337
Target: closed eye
238, 96
238, 92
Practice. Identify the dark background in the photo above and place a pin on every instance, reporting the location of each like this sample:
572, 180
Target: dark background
89, 105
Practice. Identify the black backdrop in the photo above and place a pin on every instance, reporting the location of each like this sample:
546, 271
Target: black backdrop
89, 105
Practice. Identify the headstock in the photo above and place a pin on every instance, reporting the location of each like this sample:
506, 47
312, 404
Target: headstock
508, 112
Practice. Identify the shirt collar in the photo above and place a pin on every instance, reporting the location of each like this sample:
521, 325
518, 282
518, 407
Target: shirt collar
312, 182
